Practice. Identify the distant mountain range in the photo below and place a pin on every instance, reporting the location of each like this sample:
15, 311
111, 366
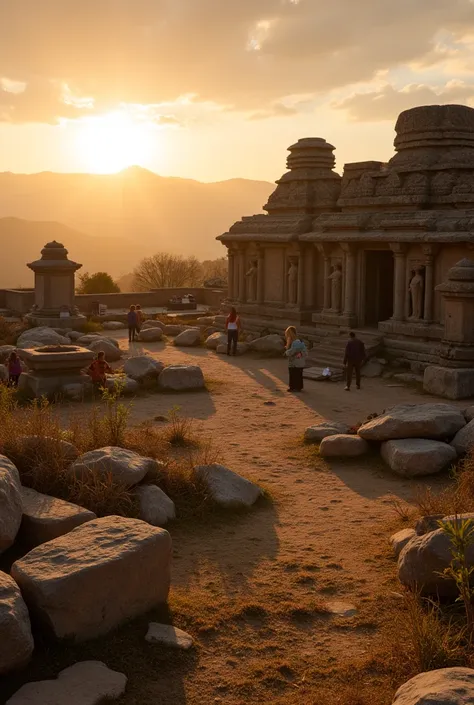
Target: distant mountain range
109, 222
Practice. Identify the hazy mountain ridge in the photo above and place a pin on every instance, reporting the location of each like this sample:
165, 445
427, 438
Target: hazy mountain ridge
142, 211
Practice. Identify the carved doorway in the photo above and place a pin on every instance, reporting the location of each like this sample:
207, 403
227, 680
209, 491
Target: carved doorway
379, 267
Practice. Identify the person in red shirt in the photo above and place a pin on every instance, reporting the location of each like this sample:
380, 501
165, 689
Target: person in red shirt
99, 369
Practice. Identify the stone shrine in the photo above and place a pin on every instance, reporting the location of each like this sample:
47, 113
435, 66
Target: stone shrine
375, 251
55, 289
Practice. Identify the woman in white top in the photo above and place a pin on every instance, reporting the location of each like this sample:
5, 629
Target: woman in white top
232, 326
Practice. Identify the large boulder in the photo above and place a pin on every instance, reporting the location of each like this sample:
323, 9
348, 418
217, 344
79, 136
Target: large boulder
468, 413
113, 325
124, 466
75, 335
39, 337
424, 559
122, 384
112, 352
414, 457
143, 368
151, 323
242, 348
226, 487
11, 506
463, 441
180, 378
316, 433
85, 683
447, 686
216, 339
173, 329
399, 540
86, 340
156, 507
205, 321
343, 445
270, 344
107, 571
436, 421
45, 518
188, 338
372, 368
150, 335
16, 644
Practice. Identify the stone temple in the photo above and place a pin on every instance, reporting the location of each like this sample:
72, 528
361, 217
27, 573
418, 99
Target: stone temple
385, 250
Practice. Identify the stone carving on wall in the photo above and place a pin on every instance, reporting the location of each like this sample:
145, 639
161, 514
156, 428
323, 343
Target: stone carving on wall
416, 293
251, 277
442, 183
293, 281
388, 185
336, 288
415, 185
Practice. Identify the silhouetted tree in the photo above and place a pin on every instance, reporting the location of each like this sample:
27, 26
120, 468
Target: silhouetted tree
165, 270
99, 283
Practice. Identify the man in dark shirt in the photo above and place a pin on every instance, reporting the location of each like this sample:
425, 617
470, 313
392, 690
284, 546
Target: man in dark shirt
354, 358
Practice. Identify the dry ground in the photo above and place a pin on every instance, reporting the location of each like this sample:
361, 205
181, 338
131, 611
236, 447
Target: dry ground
255, 589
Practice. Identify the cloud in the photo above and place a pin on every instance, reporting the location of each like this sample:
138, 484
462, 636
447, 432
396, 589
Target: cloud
39, 100
244, 54
388, 102
275, 110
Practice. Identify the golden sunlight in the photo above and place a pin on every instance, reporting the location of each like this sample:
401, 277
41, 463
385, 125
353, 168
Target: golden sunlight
112, 142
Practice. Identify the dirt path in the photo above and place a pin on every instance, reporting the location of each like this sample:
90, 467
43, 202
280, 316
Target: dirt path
254, 590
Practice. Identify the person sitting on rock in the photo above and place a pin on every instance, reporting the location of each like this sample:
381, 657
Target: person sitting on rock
14, 369
98, 370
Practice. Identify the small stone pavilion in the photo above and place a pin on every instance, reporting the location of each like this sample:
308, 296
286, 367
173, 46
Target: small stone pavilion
385, 249
55, 289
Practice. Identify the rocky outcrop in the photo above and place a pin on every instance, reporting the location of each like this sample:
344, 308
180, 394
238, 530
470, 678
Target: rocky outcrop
85, 683
181, 378
188, 338
447, 686
343, 446
16, 643
143, 368
124, 466
316, 433
414, 457
39, 337
434, 421
11, 506
106, 571
226, 487
45, 518
156, 507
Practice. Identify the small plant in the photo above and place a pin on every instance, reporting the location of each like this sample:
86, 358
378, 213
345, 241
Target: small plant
180, 430
461, 534
91, 327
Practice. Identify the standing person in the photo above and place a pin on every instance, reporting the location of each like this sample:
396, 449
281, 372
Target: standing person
14, 369
132, 319
354, 358
99, 369
296, 353
232, 326
139, 313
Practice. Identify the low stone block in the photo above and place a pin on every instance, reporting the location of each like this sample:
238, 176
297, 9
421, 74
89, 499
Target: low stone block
188, 338
181, 378
415, 457
150, 335
226, 487
316, 433
124, 466
87, 582
448, 382
343, 446
156, 507
143, 368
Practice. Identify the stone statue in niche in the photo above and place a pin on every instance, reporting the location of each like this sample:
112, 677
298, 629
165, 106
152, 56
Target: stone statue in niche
416, 294
293, 282
251, 277
336, 288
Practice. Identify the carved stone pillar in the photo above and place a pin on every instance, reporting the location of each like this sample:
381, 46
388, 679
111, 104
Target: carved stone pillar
350, 277
429, 252
399, 281
261, 276
300, 292
242, 281
327, 274
230, 274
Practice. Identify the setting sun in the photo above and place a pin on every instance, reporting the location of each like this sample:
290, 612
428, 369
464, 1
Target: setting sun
112, 142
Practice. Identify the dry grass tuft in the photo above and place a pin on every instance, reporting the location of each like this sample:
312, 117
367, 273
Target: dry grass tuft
457, 498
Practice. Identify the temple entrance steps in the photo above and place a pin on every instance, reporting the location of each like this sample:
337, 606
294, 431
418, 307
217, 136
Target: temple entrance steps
328, 350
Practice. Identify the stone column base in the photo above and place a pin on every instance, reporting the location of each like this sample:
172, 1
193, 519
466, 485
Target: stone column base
35, 385
76, 322
449, 382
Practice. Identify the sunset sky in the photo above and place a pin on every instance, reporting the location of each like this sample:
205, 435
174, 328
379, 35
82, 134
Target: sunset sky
215, 89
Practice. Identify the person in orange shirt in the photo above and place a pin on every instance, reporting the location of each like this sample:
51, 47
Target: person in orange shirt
99, 369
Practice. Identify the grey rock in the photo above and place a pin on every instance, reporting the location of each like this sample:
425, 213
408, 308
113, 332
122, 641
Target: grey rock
113, 325
11, 506
150, 335
5, 352
447, 686
427, 524
86, 340
188, 338
151, 323
436, 421
170, 636
180, 378
39, 337
85, 683
112, 352
242, 348
74, 335
272, 344
408, 378
415, 457
343, 446
316, 433
173, 330
216, 339
16, 644
125, 466
399, 540
121, 383
463, 441
226, 487
372, 368
105, 572
469, 413
156, 507
143, 368
45, 518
